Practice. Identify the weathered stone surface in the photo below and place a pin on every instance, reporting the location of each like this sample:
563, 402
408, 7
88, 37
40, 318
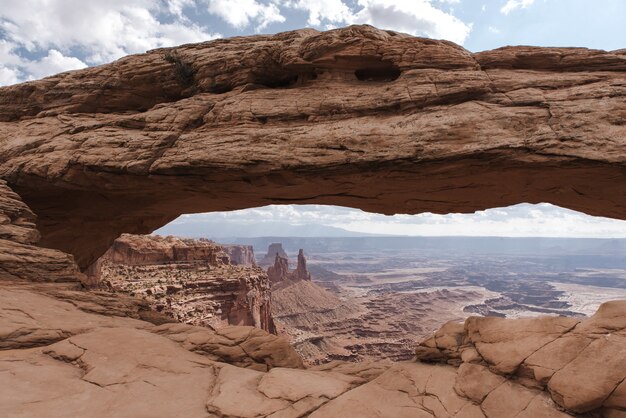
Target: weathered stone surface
241, 346
138, 250
240, 255
580, 364
279, 272
356, 116
365, 370
189, 280
405, 390
20, 257
505, 344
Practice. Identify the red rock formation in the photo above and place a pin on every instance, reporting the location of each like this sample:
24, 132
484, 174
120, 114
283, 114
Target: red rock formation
301, 273
240, 255
279, 272
358, 117
275, 249
20, 257
190, 280
579, 363
136, 250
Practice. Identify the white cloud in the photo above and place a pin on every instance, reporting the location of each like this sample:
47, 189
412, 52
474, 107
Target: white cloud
542, 220
57, 31
176, 7
512, 5
8, 76
417, 17
493, 29
242, 12
42, 37
54, 62
334, 11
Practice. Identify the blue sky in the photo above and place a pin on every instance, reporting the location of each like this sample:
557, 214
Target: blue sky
43, 37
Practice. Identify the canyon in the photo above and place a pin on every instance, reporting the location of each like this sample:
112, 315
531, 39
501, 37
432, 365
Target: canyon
356, 116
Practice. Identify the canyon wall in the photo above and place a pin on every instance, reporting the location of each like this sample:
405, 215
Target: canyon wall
136, 250
190, 280
240, 255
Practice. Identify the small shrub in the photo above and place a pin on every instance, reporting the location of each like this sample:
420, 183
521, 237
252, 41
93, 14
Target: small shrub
185, 73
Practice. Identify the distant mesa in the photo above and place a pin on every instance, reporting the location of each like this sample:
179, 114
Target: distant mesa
273, 250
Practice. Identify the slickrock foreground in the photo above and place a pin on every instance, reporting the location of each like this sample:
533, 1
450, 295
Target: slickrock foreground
357, 117
59, 357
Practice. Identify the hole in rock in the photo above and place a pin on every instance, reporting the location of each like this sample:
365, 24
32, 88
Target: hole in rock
278, 81
389, 73
219, 89
341, 283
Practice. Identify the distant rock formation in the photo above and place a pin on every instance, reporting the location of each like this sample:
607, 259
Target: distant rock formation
190, 280
135, 250
240, 255
279, 272
272, 251
301, 273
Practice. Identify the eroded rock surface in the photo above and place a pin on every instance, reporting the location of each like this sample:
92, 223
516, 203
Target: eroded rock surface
190, 280
358, 117
20, 257
279, 271
240, 255
581, 364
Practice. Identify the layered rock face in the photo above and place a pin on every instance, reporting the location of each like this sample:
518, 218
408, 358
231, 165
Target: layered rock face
189, 280
301, 273
136, 250
279, 272
240, 255
357, 117
20, 257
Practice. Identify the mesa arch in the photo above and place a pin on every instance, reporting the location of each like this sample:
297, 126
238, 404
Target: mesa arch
356, 117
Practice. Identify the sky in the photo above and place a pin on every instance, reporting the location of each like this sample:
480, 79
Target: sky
43, 37
522, 220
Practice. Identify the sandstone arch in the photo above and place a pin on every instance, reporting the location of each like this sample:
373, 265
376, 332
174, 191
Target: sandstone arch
355, 117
